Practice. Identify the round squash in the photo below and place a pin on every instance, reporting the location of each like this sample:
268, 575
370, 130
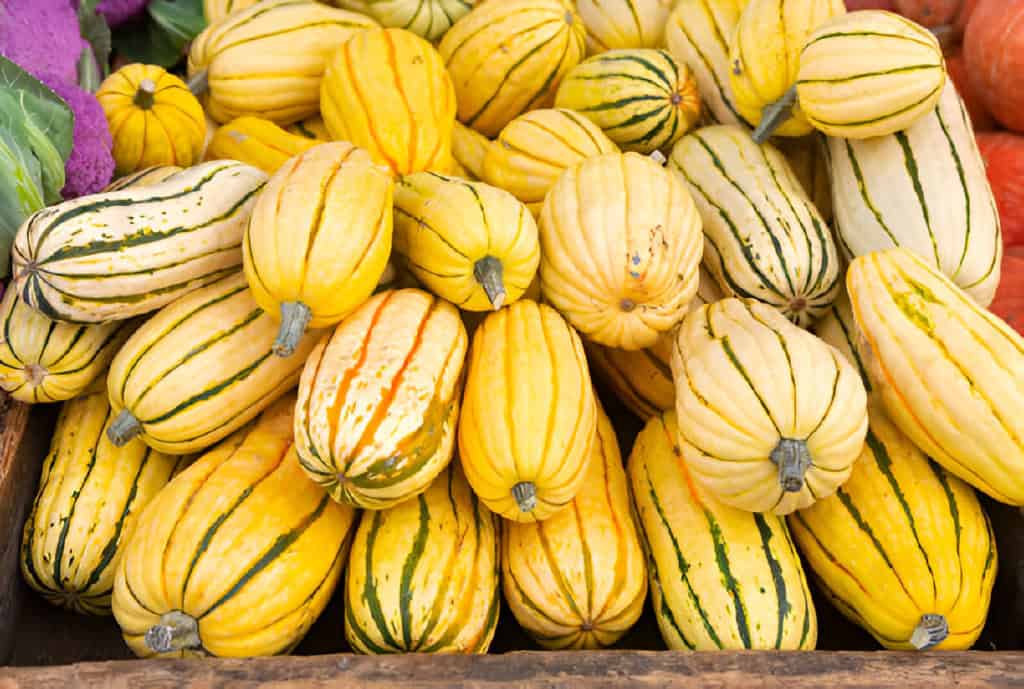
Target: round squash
527, 369
621, 245
427, 18
153, 118
642, 99
215, 10
379, 398
468, 242
258, 142
507, 57
204, 572
319, 239
617, 24
994, 53
387, 91
770, 417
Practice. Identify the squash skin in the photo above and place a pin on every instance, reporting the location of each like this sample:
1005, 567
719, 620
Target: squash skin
89, 500
839, 328
153, 118
423, 575
591, 586
912, 541
621, 24
809, 160
721, 578
257, 142
217, 542
430, 19
312, 127
994, 54
216, 10
144, 177
541, 39
746, 380
544, 393
640, 215
975, 369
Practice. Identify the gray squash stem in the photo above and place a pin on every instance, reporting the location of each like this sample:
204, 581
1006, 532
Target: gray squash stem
931, 631
123, 429
199, 83
176, 632
793, 459
525, 494
488, 273
774, 115
295, 316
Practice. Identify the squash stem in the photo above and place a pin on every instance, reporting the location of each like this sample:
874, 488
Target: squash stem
199, 83
144, 95
931, 631
774, 115
793, 459
123, 429
295, 316
488, 273
525, 494
176, 632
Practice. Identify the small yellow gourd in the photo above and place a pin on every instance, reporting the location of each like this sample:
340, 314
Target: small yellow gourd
258, 142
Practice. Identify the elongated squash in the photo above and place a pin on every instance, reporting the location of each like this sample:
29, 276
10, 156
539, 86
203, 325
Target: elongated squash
379, 399
258, 142
618, 24
809, 159
839, 329
508, 57
949, 373
589, 588
199, 369
771, 418
721, 578
89, 500
427, 18
268, 59
118, 254
423, 575
620, 249
903, 549
319, 239
924, 189
144, 178
204, 572
527, 367
468, 242
763, 238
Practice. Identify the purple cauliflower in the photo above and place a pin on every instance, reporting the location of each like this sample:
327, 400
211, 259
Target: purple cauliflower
42, 36
117, 12
91, 165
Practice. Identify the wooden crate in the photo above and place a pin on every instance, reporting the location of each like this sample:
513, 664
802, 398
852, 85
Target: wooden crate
43, 647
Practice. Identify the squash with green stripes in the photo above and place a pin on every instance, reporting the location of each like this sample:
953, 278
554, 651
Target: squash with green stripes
903, 549
508, 57
144, 178
379, 399
618, 24
118, 254
257, 142
427, 18
763, 238
721, 578
89, 500
896, 79
839, 328
237, 556
199, 369
469, 147
642, 98
771, 417
925, 189
423, 575
578, 579
809, 159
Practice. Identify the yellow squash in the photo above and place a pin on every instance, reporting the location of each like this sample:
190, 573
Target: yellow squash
616, 24
903, 549
469, 148
90, 497
215, 10
621, 245
379, 399
427, 18
528, 413
721, 578
318, 239
770, 417
507, 57
578, 579
468, 242
237, 556
258, 142
423, 575
387, 91
153, 118
312, 127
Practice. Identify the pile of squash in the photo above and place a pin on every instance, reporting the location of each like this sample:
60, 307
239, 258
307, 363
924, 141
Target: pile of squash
339, 322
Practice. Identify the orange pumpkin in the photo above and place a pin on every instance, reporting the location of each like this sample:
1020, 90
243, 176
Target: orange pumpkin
994, 50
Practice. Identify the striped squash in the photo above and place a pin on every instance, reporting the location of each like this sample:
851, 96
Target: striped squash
508, 57
215, 10
763, 238
268, 59
903, 549
527, 422
896, 79
578, 579
808, 157
617, 24
620, 249
469, 148
89, 500
697, 35
771, 417
427, 18
257, 142
839, 329
237, 556
950, 374
423, 575
387, 91
118, 254
721, 578
144, 178
379, 398
199, 369
642, 98
924, 189
312, 127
